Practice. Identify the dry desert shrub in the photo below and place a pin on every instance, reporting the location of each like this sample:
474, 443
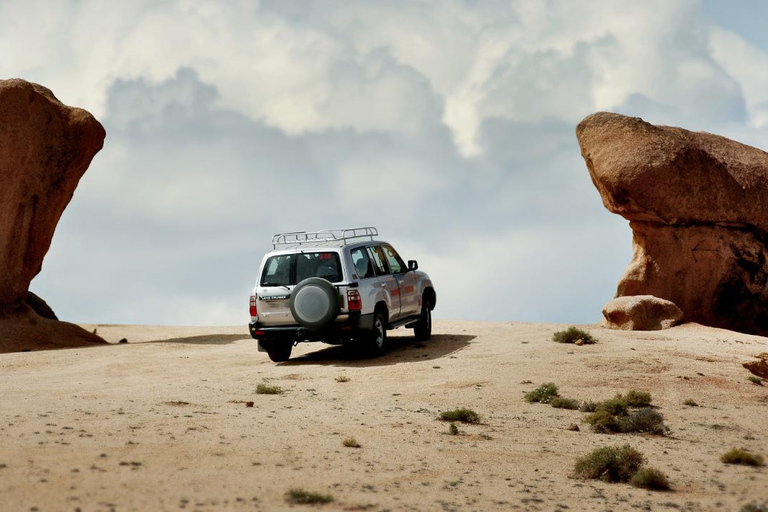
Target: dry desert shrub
462, 415
743, 457
690, 402
351, 442
266, 389
301, 497
559, 402
342, 378
453, 430
574, 335
651, 479
543, 394
609, 464
638, 399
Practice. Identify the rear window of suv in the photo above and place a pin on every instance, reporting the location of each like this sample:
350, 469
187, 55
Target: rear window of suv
290, 269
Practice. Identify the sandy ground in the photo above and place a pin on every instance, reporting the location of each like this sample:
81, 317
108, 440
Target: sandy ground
161, 423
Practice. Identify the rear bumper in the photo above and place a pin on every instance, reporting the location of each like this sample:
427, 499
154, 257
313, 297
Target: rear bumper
347, 329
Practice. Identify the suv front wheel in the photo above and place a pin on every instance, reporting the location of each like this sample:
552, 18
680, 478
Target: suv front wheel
423, 329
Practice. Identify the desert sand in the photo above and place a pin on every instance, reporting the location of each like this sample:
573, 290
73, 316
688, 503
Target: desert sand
161, 423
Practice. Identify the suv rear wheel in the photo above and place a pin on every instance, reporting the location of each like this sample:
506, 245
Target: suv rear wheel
278, 351
423, 329
376, 339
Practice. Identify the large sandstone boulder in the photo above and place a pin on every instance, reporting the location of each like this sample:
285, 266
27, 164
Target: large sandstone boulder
641, 313
45, 148
696, 203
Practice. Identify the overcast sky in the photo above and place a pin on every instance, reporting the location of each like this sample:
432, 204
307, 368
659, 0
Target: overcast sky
449, 125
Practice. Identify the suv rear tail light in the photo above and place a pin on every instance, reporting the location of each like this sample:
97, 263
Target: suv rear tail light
253, 306
354, 303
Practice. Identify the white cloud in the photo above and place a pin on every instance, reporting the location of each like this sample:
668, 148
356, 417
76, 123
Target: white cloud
447, 124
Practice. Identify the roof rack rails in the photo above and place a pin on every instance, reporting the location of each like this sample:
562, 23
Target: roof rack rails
330, 236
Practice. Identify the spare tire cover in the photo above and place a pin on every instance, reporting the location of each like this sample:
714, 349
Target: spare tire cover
314, 302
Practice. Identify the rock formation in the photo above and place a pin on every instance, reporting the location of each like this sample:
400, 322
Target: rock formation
45, 148
696, 206
641, 313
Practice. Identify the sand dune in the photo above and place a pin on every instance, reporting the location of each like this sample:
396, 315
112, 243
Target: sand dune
161, 423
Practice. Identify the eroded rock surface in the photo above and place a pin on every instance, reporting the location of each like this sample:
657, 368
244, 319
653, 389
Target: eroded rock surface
641, 313
696, 206
45, 148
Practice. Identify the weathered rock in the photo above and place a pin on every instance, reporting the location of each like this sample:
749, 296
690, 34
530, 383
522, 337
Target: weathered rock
45, 148
696, 206
759, 367
40, 307
641, 313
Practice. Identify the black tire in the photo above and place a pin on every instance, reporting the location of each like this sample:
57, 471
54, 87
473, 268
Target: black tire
314, 302
423, 329
376, 339
279, 352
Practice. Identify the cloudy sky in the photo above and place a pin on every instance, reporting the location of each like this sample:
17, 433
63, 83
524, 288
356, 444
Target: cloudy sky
448, 124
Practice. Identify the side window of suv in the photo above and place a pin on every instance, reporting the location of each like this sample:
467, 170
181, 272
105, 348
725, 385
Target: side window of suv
378, 260
362, 263
395, 262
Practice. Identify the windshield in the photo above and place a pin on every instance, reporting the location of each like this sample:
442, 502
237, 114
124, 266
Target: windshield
290, 269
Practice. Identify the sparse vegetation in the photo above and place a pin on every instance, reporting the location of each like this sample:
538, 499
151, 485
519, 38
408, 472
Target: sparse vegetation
462, 415
756, 380
266, 389
342, 378
559, 402
351, 442
690, 402
542, 394
743, 457
650, 478
616, 406
609, 464
588, 406
302, 497
574, 335
453, 430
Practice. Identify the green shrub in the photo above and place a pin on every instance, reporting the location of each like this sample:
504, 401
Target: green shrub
643, 420
756, 380
743, 457
650, 478
588, 406
266, 389
572, 335
302, 497
636, 398
616, 406
609, 464
559, 402
542, 394
462, 415
453, 430
603, 422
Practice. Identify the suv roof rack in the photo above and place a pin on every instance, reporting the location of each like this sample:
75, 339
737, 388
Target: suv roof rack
336, 236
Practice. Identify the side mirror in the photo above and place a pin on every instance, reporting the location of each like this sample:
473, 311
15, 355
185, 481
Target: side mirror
413, 265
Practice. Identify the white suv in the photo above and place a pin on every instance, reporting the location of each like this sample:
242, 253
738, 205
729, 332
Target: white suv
338, 286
